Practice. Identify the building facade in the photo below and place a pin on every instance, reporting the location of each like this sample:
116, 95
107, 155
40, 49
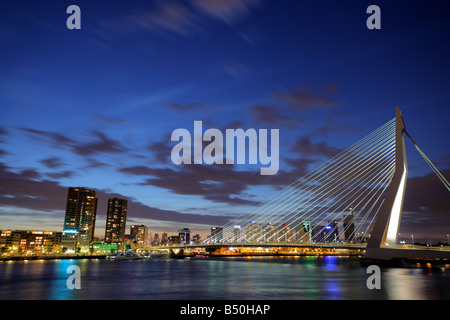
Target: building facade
79, 220
30, 241
116, 218
140, 235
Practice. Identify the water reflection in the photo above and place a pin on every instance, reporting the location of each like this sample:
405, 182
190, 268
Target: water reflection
225, 278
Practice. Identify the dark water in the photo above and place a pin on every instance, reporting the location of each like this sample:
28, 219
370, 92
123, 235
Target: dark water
273, 278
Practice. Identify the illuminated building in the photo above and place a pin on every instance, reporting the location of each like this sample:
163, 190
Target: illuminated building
303, 232
174, 240
252, 231
79, 221
196, 238
216, 234
140, 235
30, 241
284, 233
185, 235
236, 232
349, 227
115, 221
270, 232
164, 238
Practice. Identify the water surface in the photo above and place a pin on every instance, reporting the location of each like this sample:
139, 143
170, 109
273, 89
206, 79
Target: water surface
284, 278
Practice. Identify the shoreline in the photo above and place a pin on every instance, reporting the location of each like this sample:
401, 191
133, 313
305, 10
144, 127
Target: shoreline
104, 257
26, 258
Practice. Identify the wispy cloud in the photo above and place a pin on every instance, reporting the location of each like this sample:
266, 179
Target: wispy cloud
228, 11
29, 190
305, 99
180, 19
96, 142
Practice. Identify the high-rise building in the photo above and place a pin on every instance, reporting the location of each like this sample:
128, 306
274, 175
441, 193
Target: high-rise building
164, 238
252, 231
270, 232
185, 235
331, 232
349, 227
303, 232
116, 218
79, 221
236, 233
284, 233
216, 234
140, 235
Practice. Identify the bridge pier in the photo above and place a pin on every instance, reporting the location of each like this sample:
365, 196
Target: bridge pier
176, 253
381, 248
394, 257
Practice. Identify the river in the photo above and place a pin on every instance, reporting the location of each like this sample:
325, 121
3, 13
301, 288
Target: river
255, 278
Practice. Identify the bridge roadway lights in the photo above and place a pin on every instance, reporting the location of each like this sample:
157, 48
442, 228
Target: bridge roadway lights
179, 252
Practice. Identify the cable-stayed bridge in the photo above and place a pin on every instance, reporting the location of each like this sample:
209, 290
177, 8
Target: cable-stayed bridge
354, 200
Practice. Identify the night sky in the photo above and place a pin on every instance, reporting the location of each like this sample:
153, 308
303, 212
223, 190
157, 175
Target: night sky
96, 107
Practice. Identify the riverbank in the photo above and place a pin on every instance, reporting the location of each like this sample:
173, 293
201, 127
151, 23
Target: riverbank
52, 257
190, 255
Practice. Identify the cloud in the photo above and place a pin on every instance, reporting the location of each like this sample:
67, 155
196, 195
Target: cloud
98, 142
53, 162
274, 116
161, 151
109, 120
291, 108
426, 208
62, 174
306, 99
3, 132
307, 148
167, 18
28, 192
228, 11
176, 18
217, 183
51, 137
187, 107
336, 126
427, 195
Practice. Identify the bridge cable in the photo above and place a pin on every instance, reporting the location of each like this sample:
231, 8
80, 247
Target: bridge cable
436, 171
293, 197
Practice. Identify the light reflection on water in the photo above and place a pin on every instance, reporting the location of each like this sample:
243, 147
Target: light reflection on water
287, 278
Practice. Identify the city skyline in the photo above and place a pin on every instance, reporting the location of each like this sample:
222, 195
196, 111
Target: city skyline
96, 107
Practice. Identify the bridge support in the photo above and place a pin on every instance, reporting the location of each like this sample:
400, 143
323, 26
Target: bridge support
386, 228
381, 246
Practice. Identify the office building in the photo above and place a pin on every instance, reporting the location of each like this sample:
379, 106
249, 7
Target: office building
349, 227
79, 220
140, 235
116, 218
216, 234
30, 241
185, 235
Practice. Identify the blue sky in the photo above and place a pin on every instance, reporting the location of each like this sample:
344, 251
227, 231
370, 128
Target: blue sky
95, 107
